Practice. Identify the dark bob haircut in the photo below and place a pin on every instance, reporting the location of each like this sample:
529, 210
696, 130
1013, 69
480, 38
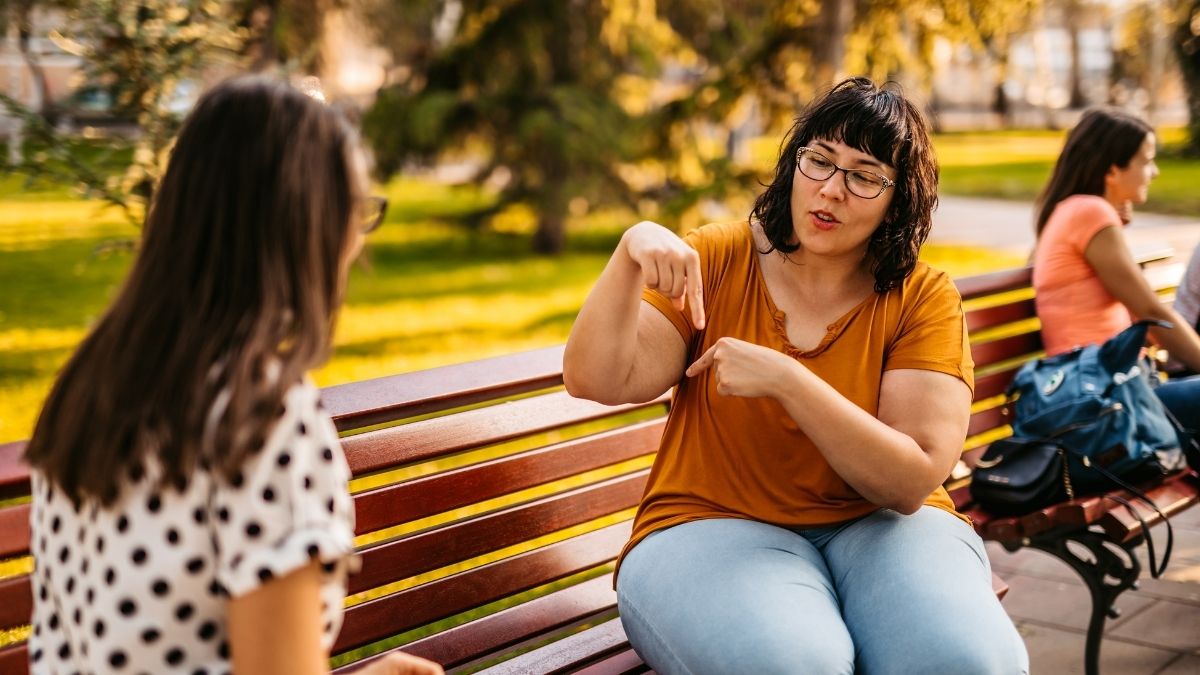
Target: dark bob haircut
1104, 138
880, 122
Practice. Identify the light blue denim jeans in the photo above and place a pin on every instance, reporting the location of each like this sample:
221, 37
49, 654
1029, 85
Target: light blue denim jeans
886, 593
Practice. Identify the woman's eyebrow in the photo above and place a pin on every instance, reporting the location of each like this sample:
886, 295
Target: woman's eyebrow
869, 161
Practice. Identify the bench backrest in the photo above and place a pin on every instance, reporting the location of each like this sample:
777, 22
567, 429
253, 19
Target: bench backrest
491, 505
484, 495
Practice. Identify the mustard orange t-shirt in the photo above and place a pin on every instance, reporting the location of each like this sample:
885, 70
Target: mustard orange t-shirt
733, 457
1074, 306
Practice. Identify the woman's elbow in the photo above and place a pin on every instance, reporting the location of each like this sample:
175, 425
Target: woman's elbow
580, 386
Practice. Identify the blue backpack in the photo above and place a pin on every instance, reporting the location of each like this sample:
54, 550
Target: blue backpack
1098, 403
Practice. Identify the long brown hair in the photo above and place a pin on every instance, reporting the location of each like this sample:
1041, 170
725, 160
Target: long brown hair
880, 122
233, 294
1105, 137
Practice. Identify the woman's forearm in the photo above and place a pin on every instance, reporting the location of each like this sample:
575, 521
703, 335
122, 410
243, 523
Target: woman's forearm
886, 466
1180, 341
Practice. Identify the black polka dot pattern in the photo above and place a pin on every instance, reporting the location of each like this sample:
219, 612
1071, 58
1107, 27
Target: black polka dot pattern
144, 585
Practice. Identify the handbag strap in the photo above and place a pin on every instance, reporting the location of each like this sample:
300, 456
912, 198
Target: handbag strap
1155, 569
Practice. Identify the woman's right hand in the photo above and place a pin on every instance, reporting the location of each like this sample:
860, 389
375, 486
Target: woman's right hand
668, 266
399, 663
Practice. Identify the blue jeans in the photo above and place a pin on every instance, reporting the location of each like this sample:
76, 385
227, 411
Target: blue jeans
886, 593
1182, 397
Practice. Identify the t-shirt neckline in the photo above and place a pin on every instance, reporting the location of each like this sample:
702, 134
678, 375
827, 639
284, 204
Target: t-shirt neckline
832, 331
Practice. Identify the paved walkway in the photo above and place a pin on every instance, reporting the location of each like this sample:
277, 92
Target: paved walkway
1008, 225
1158, 632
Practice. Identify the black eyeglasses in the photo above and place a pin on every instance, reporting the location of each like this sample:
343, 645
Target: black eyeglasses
374, 209
865, 184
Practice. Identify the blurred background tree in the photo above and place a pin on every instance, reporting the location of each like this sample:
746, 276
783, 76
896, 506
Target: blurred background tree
572, 105
139, 54
283, 33
1187, 49
551, 97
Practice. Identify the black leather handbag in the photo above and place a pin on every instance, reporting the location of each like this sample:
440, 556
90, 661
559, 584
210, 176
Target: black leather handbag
1018, 475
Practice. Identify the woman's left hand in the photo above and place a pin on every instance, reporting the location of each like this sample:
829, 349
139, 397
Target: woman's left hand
743, 369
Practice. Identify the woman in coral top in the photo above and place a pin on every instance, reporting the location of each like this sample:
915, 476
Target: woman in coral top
1087, 285
795, 520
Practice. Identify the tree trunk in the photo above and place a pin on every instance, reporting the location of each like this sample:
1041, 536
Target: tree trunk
16, 137
551, 235
1073, 13
263, 48
1187, 49
23, 19
833, 23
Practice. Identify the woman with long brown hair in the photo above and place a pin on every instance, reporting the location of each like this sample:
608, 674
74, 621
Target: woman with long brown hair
1088, 287
190, 506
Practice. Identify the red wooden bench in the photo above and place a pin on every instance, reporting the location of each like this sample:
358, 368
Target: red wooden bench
491, 505
1004, 333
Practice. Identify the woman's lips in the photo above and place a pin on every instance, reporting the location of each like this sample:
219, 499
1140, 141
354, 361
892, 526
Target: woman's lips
821, 224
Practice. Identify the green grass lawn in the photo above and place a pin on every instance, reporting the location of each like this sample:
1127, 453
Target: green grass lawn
1017, 164
429, 292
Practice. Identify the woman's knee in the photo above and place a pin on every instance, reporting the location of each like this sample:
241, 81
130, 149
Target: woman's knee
979, 654
966, 647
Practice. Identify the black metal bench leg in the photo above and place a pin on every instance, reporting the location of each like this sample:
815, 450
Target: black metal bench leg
1109, 571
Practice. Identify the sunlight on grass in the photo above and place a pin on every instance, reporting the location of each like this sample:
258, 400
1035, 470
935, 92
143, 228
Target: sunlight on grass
428, 293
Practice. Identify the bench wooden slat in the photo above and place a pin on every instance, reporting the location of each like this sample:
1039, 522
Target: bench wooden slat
1006, 348
568, 653
382, 617
985, 420
1163, 277
994, 384
621, 663
1174, 495
429, 495
506, 629
14, 473
983, 285
446, 545
14, 660
385, 399
14, 530
999, 315
16, 601
428, 439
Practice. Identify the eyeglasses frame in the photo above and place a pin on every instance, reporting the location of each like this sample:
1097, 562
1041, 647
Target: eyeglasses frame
370, 226
887, 182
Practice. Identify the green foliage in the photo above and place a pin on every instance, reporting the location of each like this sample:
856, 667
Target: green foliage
561, 99
1186, 43
139, 52
633, 102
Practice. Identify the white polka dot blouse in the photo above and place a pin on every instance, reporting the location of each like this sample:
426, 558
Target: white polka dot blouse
142, 586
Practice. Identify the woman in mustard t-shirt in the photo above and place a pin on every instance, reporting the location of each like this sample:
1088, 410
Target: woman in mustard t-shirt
1087, 285
795, 520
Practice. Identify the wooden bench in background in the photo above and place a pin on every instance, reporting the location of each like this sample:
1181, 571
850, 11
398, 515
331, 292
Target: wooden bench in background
491, 505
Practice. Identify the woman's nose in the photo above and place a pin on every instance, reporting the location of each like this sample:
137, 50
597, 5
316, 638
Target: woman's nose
834, 187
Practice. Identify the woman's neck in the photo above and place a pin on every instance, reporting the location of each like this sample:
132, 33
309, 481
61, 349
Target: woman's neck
826, 275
